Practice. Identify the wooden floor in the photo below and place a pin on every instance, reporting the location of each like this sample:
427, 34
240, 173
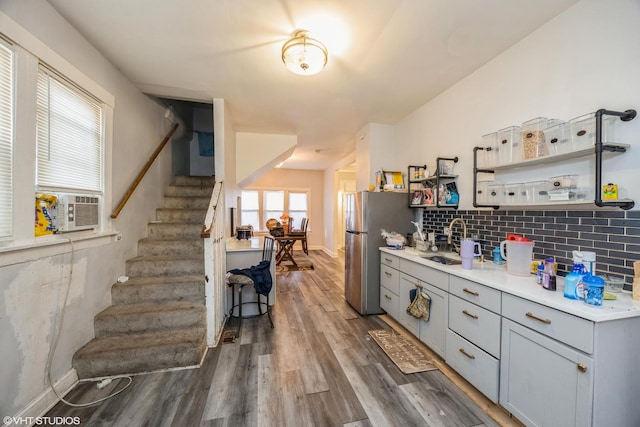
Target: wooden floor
317, 367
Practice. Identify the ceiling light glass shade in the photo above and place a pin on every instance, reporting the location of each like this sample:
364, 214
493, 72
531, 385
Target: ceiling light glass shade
304, 55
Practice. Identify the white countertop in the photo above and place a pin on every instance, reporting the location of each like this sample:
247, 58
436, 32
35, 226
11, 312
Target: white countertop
496, 276
253, 244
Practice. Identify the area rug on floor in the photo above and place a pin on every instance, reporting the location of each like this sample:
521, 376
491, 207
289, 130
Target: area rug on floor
300, 267
407, 357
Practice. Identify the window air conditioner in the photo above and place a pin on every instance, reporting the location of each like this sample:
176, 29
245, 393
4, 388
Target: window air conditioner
77, 212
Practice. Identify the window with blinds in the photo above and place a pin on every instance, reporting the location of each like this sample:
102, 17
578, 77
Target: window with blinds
260, 205
6, 139
69, 136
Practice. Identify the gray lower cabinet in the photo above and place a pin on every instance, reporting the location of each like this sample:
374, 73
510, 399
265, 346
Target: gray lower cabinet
390, 286
397, 279
562, 370
433, 332
435, 284
545, 366
473, 339
407, 284
544, 382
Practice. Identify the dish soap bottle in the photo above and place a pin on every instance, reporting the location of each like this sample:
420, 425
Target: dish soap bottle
573, 286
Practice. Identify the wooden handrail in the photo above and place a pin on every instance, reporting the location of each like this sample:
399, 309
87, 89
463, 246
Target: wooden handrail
144, 170
210, 217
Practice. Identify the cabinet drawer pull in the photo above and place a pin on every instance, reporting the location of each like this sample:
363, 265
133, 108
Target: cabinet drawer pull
388, 274
539, 319
473, 316
470, 356
388, 259
475, 294
582, 367
387, 297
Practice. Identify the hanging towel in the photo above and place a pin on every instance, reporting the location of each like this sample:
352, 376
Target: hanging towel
420, 304
259, 274
205, 144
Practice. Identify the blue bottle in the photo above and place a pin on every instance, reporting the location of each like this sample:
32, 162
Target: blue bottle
497, 257
573, 288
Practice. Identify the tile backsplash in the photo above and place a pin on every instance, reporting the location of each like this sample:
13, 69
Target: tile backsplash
614, 235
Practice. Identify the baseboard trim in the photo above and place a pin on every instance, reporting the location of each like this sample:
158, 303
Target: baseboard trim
46, 400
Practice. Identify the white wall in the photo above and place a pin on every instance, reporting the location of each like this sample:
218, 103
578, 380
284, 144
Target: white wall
33, 283
585, 59
375, 151
256, 153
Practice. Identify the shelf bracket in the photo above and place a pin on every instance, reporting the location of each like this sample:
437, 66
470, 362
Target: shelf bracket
600, 147
475, 178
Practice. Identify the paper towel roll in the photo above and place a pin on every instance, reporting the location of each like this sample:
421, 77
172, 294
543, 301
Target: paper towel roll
636, 288
636, 280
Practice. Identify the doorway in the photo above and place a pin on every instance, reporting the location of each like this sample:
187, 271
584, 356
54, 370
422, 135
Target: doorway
192, 151
346, 185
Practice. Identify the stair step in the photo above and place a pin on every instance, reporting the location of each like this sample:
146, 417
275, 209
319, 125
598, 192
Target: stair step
148, 317
195, 180
189, 190
159, 289
171, 247
165, 266
162, 230
137, 353
184, 215
182, 202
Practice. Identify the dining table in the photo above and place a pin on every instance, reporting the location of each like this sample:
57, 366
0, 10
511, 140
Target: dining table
285, 247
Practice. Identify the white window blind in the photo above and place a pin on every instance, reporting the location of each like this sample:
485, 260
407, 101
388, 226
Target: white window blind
6, 140
298, 206
273, 205
70, 136
250, 203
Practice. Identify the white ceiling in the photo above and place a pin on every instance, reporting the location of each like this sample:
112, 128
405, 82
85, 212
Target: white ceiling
387, 57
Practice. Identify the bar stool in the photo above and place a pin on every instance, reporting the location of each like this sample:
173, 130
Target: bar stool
259, 276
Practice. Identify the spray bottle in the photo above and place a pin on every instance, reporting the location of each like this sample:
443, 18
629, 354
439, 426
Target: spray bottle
573, 286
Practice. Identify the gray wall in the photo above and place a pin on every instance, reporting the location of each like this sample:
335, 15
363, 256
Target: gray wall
33, 282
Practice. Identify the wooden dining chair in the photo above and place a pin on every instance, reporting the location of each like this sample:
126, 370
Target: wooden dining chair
302, 232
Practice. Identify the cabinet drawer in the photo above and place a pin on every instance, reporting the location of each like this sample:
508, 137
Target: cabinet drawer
476, 293
390, 278
429, 275
389, 302
476, 366
476, 324
390, 260
569, 329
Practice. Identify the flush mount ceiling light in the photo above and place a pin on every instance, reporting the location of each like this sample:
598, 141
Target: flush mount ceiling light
304, 55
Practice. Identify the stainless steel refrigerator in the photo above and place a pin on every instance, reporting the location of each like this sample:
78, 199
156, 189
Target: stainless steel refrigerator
366, 214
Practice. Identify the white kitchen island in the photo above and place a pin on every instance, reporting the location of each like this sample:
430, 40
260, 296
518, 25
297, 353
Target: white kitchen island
546, 359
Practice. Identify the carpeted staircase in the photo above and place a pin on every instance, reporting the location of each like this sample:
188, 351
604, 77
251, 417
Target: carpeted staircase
157, 320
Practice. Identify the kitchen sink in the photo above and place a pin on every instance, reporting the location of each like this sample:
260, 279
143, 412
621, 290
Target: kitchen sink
442, 259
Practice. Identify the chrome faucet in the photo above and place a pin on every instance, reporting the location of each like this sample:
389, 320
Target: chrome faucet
464, 233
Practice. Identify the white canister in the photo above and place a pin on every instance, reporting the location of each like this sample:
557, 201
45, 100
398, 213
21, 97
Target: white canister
518, 255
